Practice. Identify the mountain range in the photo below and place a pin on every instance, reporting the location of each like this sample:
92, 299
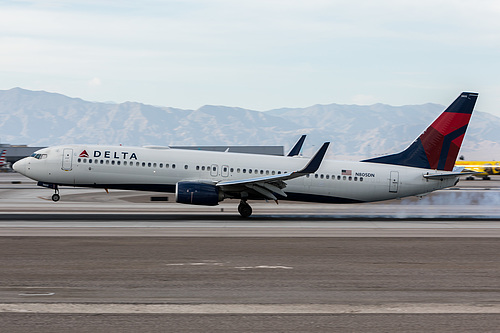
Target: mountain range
40, 118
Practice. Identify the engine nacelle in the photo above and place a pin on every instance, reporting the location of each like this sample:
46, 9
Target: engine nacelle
197, 193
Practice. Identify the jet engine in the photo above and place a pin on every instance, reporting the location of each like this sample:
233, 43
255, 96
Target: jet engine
198, 193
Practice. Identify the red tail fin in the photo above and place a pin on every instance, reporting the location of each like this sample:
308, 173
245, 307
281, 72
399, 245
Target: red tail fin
437, 148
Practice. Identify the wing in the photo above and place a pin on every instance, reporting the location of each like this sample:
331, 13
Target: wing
267, 186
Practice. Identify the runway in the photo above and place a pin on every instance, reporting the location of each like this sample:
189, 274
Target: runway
120, 262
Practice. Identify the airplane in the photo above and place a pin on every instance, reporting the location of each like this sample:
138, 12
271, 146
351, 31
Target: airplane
3, 161
482, 169
207, 178
295, 151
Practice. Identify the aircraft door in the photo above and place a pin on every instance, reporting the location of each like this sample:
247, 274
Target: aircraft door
214, 170
394, 182
67, 159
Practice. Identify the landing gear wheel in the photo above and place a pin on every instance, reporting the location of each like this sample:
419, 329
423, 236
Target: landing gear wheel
486, 178
55, 197
244, 209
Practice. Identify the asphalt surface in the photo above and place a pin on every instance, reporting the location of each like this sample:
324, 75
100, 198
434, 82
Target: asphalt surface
401, 266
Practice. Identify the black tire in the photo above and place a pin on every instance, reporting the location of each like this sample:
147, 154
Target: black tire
244, 209
56, 197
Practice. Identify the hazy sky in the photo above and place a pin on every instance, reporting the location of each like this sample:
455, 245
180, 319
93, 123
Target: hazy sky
257, 54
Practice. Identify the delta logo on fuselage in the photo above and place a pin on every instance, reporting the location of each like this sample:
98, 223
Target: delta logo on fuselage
111, 154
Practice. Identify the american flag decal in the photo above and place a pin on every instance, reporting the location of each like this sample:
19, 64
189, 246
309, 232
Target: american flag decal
346, 172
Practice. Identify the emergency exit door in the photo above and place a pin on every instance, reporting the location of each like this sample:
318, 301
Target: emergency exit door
394, 182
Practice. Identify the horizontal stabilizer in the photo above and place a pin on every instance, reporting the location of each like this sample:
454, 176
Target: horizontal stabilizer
448, 175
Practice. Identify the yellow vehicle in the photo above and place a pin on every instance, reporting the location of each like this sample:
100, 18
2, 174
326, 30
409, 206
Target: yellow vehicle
482, 168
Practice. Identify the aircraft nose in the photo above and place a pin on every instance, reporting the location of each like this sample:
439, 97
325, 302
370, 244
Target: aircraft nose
20, 166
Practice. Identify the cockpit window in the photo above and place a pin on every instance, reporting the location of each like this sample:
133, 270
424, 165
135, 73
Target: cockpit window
39, 156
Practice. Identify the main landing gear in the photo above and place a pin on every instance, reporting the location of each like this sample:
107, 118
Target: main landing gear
244, 209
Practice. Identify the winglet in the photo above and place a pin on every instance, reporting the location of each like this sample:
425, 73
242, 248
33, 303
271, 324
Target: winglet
298, 146
315, 162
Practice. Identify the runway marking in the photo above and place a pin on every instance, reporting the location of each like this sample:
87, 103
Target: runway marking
214, 263
399, 308
37, 294
264, 266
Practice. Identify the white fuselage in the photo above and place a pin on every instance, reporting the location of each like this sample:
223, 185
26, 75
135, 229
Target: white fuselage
161, 169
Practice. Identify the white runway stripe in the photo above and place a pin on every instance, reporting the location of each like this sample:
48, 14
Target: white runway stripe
401, 308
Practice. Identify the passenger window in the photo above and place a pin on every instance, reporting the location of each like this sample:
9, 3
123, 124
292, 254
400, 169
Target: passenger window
197, 167
315, 175
249, 170
355, 179
360, 179
107, 161
154, 165
186, 166
124, 162
149, 164
202, 168
161, 165
118, 162
350, 178
244, 170
113, 162
173, 166
143, 164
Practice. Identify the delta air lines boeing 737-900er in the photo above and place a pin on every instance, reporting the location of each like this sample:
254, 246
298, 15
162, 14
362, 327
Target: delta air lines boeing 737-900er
206, 178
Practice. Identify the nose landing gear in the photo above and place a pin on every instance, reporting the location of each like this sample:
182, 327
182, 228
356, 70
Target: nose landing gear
56, 197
